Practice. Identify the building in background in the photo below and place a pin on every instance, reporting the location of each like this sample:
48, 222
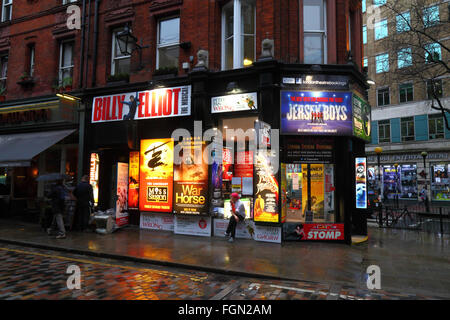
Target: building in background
406, 53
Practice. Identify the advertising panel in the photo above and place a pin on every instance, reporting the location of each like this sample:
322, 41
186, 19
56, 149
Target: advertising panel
243, 230
193, 225
316, 112
361, 118
361, 183
317, 190
313, 231
122, 194
133, 181
235, 102
309, 149
262, 134
268, 234
156, 175
93, 174
191, 180
150, 104
227, 162
266, 190
157, 221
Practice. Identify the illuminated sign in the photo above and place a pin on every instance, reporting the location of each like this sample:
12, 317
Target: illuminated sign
133, 181
266, 186
361, 118
93, 174
235, 102
151, 104
122, 194
361, 183
313, 231
156, 175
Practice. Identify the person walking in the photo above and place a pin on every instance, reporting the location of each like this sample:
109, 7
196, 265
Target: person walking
237, 214
84, 194
58, 196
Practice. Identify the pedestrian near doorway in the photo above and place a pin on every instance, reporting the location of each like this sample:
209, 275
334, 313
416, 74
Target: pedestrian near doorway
237, 214
58, 196
85, 199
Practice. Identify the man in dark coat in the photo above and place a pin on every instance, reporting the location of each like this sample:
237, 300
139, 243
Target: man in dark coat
85, 198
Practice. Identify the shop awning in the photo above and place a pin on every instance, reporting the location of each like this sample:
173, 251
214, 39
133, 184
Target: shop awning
17, 150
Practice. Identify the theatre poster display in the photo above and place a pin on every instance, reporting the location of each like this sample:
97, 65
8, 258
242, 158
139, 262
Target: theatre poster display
313, 231
133, 181
266, 189
156, 175
361, 182
361, 118
122, 194
191, 179
316, 112
93, 174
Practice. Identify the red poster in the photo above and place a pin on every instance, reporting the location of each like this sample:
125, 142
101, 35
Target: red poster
227, 164
156, 175
133, 181
244, 164
323, 231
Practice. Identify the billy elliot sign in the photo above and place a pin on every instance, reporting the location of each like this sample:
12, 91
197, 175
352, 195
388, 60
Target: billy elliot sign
316, 112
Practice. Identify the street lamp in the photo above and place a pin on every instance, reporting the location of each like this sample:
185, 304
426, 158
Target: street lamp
396, 184
424, 156
128, 43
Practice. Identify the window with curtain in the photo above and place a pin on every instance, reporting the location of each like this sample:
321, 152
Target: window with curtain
314, 31
238, 34
168, 43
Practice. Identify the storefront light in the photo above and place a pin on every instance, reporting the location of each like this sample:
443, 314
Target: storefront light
247, 62
66, 96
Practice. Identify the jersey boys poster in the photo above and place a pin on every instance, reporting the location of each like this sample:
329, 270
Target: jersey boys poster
266, 190
156, 176
191, 179
133, 181
316, 112
150, 104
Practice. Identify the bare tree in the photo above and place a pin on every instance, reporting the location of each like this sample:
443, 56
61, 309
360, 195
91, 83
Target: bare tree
418, 41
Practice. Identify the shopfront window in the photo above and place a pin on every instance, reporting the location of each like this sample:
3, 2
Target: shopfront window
408, 181
440, 186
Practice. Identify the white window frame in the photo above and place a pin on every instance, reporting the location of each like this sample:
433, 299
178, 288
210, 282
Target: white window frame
166, 45
389, 94
434, 117
384, 124
61, 67
113, 51
323, 32
68, 1
238, 57
6, 3
378, 24
399, 89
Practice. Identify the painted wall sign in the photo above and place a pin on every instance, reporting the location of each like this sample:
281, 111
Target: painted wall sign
316, 112
151, 104
156, 175
235, 102
361, 182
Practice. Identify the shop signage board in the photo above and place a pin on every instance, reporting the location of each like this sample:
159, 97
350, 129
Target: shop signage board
235, 102
361, 182
242, 229
316, 113
122, 194
321, 81
266, 190
361, 118
267, 234
156, 175
193, 225
133, 181
153, 104
191, 180
93, 174
309, 150
157, 221
313, 231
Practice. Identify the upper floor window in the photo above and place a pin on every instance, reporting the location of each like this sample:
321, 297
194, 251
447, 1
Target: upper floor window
363, 6
238, 34
407, 128
383, 97
32, 52
405, 92
6, 10
65, 61
364, 34
436, 126
404, 58
434, 88
69, 1
365, 62
431, 16
3, 70
384, 131
432, 52
314, 31
379, 2
168, 43
120, 62
382, 63
381, 29
403, 22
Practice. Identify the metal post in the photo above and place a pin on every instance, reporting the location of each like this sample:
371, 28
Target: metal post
440, 221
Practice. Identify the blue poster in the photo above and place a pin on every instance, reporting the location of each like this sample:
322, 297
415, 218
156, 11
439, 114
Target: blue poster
316, 112
361, 182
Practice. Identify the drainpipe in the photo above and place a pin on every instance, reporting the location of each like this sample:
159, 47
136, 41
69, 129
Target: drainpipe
80, 85
87, 44
94, 56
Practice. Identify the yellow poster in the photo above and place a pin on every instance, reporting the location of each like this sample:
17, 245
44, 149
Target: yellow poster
317, 189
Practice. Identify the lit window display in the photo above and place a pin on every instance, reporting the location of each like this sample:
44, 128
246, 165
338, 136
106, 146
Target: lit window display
440, 189
402, 183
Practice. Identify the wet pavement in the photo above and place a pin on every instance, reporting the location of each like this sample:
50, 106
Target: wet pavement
412, 264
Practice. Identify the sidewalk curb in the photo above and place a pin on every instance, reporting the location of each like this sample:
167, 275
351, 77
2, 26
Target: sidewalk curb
148, 261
